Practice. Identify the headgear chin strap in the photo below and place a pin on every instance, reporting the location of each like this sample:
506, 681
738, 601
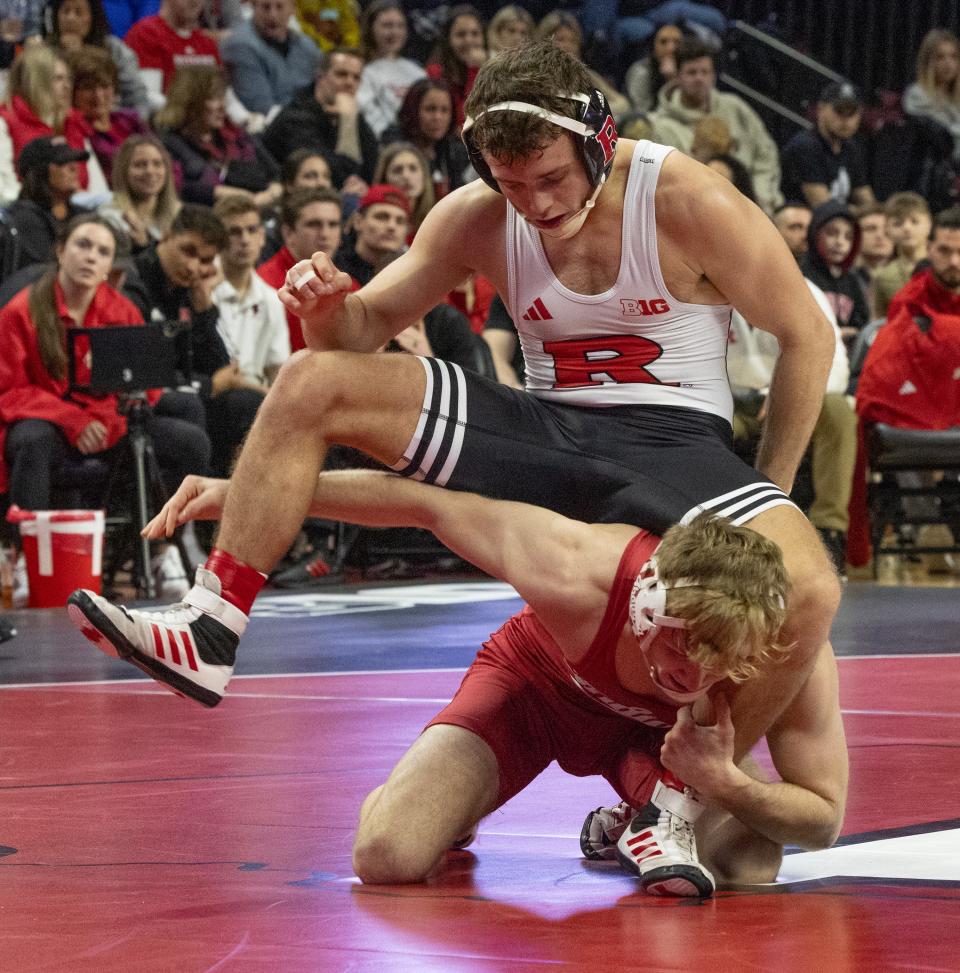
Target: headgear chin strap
594, 126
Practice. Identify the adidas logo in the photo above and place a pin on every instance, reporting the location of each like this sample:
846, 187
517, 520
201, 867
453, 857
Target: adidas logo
537, 312
908, 388
643, 846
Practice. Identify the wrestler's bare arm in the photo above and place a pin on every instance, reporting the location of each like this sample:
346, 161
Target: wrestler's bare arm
809, 751
736, 248
461, 234
562, 568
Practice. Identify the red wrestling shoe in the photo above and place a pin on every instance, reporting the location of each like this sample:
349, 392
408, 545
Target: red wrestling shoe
659, 846
189, 648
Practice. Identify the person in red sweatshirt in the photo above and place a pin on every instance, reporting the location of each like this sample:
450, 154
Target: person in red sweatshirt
43, 423
39, 103
169, 40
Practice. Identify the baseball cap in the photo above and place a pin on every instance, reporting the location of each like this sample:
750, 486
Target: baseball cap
385, 193
841, 95
48, 150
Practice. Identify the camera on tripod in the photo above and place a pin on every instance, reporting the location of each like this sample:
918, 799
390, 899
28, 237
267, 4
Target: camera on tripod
128, 361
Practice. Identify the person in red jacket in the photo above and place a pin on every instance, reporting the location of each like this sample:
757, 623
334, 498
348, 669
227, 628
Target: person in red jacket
43, 423
39, 95
935, 290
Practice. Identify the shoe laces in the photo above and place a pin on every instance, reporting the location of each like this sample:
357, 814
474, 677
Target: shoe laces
681, 833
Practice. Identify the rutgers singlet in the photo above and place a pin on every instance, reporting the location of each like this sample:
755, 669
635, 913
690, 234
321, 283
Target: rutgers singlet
634, 344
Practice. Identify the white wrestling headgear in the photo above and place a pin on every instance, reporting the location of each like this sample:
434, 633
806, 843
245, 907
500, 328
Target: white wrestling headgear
648, 603
597, 142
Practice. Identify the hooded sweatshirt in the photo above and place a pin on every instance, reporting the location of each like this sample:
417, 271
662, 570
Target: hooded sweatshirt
673, 124
844, 291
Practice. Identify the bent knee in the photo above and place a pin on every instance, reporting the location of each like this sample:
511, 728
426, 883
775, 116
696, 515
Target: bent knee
756, 862
382, 859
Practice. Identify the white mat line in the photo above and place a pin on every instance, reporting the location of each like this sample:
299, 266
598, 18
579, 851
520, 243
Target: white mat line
247, 675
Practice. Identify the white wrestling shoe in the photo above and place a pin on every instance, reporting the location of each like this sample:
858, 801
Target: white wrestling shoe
190, 647
659, 847
602, 829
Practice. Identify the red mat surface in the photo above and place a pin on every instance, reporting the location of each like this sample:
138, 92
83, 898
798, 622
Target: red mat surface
144, 833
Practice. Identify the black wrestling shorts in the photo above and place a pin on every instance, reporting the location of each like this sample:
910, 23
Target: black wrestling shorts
651, 466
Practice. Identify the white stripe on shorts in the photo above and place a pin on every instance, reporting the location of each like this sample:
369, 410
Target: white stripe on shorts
448, 386
755, 497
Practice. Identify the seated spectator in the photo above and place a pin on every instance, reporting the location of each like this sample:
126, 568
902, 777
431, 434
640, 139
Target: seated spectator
306, 169
169, 40
252, 322
39, 95
49, 176
908, 226
564, 31
426, 120
174, 282
646, 77
216, 157
693, 96
876, 247
936, 92
325, 116
145, 199
792, 219
94, 96
509, 27
42, 426
733, 170
833, 242
380, 226
461, 51
329, 23
386, 74
310, 220
936, 289
711, 139
71, 24
628, 25
403, 165
302, 169
751, 359
472, 297
268, 63
827, 163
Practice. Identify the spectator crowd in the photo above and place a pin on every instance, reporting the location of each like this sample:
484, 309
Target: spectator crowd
169, 164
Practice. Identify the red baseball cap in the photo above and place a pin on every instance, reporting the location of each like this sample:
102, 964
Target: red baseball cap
385, 193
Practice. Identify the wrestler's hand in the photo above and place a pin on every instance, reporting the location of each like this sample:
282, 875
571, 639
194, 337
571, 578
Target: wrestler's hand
314, 288
198, 498
701, 756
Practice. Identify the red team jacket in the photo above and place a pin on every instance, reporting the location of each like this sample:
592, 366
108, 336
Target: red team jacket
25, 126
911, 376
29, 391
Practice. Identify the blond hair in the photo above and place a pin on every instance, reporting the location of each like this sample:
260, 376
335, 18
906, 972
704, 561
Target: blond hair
711, 137
507, 15
168, 203
31, 77
735, 607
926, 66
